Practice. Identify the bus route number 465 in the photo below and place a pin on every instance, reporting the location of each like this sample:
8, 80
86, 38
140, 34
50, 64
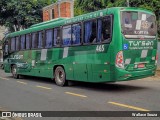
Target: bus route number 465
100, 48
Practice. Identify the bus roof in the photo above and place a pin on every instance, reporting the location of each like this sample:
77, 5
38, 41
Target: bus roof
47, 22
62, 21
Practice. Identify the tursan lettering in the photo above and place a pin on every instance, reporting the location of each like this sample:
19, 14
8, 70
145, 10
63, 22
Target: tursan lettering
141, 43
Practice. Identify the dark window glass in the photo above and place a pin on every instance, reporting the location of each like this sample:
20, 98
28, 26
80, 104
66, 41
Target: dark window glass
90, 31
104, 29
40, 39
13, 43
17, 43
52, 13
34, 40
138, 25
57, 40
76, 34
28, 41
22, 42
66, 35
49, 36
6, 50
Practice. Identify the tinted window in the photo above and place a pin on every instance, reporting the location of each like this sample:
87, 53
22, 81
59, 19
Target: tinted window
22, 42
90, 31
104, 29
6, 50
49, 36
138, 24
40, 39
13, 43
17, 43
34, 40
57, 40
66, 35
27, 41
76, 34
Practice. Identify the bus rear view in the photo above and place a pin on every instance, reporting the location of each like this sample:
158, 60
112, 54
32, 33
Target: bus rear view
138, 57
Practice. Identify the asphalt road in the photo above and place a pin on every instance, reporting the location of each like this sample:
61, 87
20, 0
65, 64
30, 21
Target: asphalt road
41, 94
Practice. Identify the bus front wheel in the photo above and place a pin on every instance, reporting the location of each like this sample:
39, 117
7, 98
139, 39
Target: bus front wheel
14, 72
60, 76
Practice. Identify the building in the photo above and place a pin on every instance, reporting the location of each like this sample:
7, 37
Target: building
60, 9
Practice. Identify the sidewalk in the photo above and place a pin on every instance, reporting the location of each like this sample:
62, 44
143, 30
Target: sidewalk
156, 77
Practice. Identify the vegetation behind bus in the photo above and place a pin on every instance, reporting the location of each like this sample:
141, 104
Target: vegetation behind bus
82, 7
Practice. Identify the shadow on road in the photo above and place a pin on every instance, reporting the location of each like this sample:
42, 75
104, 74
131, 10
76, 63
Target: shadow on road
109, 87
101, 87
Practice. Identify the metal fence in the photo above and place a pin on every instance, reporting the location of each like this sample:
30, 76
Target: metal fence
158, 55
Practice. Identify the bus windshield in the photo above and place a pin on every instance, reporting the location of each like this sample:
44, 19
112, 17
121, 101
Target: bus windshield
138, 25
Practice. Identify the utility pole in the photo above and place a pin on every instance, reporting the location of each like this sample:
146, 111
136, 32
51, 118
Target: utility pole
127, 3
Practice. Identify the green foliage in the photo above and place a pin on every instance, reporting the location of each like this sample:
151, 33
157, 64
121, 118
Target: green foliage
23, 13
20, 14
85, 6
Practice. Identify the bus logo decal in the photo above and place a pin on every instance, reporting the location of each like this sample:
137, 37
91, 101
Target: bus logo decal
18, 56
43, 54
65, 52
144, 53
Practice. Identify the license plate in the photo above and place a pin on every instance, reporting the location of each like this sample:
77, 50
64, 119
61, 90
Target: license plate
140, 65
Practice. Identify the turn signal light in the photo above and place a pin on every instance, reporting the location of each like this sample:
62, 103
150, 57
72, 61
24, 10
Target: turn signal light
119, 59
156, 58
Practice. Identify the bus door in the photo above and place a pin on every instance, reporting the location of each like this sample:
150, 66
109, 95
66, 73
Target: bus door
139, 45
41, 62
80, 67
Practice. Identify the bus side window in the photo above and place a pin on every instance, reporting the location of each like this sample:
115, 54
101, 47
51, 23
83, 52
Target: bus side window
76, 34
66, 35
90, 31
40, 39
57, 40
106, 29
13, 44
5, 47
49, 37
34, 40
17, 43
22, 42
28, 41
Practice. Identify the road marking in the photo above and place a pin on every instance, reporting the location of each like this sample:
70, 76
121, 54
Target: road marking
75, 94
128, 106
3, 78
44, 87
22, 82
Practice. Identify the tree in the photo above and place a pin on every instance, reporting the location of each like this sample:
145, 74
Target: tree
146, 4
85, 6
20, 14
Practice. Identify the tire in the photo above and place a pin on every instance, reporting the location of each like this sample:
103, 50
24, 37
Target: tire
60, 76
14, 72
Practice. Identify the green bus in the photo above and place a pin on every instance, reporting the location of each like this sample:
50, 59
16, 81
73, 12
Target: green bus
110, 45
